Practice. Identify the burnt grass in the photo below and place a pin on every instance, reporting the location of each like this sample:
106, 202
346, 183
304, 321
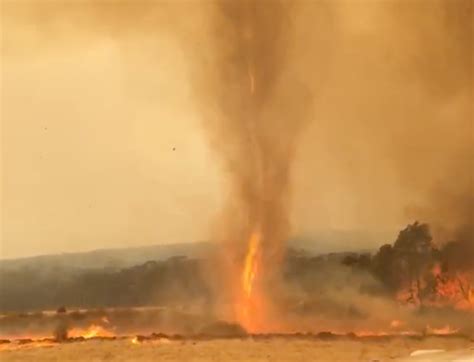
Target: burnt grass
321, 336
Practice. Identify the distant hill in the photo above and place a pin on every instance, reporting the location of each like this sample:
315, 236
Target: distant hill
176, 281
323, 242
108, 258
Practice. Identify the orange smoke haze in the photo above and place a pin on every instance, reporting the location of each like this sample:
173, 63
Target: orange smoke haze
388, 89
246, 122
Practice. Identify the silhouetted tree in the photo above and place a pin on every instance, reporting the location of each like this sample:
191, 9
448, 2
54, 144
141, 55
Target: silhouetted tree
413, 253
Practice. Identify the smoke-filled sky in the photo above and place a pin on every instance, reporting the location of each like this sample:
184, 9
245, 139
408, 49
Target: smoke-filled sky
105, 141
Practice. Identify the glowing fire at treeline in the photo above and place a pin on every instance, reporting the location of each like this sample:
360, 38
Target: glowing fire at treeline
456, 289
441, 290
421, 274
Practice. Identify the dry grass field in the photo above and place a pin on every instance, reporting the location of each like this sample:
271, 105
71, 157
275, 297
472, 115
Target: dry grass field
249, 350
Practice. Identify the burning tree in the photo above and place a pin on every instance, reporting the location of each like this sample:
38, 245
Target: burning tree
418, 273
404, 266
454, 273
413, 252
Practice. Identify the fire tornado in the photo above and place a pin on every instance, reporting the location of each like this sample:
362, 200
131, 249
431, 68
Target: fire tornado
253, 108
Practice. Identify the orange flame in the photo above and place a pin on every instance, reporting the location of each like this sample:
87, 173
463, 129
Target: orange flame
251, 265
91, 332
450, 289
443, 331
247, 308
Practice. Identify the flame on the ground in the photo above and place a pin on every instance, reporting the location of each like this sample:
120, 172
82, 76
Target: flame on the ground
90, 332
397, 329
34, 344
443, 331
150, 340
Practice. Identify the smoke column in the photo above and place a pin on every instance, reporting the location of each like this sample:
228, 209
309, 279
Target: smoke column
254, 107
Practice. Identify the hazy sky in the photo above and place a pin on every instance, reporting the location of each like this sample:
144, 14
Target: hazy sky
103, 145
